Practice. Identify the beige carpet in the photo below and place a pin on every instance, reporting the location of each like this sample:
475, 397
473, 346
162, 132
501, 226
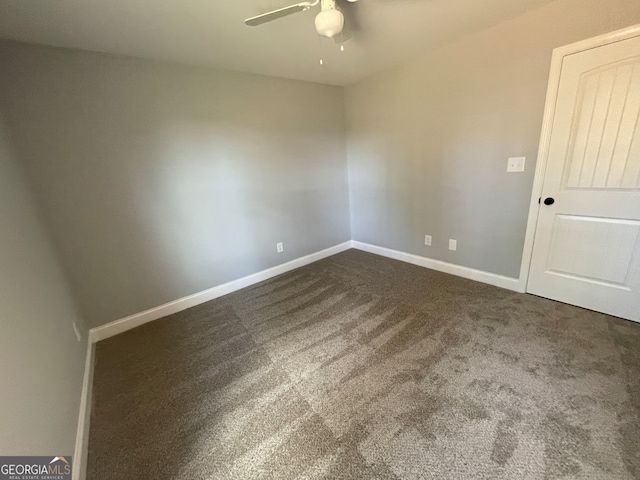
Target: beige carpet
363, 367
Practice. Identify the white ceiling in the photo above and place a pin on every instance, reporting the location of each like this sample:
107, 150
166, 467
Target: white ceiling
212, 32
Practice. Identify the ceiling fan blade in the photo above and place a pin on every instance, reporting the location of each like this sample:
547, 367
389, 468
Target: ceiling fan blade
275, 14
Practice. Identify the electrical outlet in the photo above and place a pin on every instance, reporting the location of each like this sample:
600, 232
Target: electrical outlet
515, 164
279, 247
427, 240
77, 330
453, 244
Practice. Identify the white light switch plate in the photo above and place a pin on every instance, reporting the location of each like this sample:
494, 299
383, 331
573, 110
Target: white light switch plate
516, 164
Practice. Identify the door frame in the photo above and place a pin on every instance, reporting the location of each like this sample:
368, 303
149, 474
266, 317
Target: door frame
545, 136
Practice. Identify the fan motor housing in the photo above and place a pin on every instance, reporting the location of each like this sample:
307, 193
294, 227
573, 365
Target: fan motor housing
329, 21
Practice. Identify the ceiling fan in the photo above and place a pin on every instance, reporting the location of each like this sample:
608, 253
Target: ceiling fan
329, 22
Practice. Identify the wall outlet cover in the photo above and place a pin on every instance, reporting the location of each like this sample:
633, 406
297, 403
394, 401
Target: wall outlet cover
279, 247
516, 164
76, 329
427, 240
453, 244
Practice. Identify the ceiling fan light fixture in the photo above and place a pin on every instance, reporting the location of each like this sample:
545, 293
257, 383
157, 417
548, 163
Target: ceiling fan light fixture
329, 22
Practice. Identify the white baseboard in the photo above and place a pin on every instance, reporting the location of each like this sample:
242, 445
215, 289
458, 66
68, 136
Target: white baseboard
82, 436
466, 272
133, 321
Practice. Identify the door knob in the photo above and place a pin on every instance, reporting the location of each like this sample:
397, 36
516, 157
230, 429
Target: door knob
549, 201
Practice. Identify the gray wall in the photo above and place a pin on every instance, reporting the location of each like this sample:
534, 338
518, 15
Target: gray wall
428, 142
157, 181
41, 362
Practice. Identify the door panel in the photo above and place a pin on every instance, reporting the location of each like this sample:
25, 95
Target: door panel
603, 255
587, 243
604, 148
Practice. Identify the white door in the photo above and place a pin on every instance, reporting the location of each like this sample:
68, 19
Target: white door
587, 243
